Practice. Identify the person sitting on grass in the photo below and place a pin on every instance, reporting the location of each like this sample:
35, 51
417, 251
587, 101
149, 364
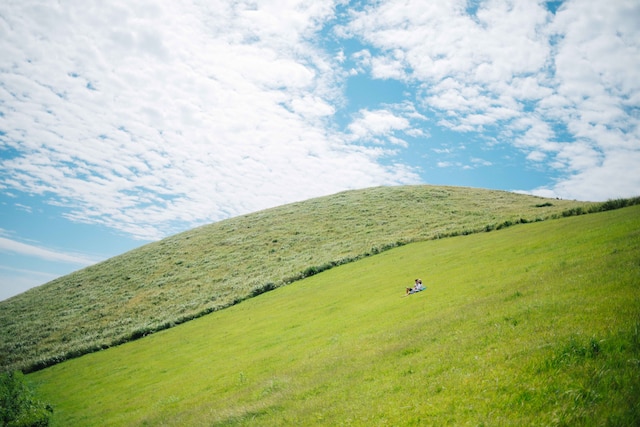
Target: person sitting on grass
417, 287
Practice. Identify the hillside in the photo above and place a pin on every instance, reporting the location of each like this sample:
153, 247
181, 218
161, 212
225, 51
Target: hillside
203, 270
531, 325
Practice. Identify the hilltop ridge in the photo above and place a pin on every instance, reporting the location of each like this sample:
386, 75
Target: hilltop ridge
214, 266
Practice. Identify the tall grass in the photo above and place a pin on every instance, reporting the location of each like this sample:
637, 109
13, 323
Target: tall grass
530, 325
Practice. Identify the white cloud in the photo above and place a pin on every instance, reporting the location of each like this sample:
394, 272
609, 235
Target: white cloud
442, 150
387, 67
12, 246
610, 179
382, 126
564, 88
536, 156
379, 122
433, 41
480, 162
145, 117
579, 156
362, 59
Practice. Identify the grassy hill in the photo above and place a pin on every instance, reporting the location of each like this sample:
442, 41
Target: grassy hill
531, 325
203, 270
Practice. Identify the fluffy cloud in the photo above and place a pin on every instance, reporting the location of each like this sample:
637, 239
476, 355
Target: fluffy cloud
377, 123
561, 85
145, 117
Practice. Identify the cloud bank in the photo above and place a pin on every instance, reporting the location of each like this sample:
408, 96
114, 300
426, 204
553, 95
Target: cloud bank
148, 115
561, 85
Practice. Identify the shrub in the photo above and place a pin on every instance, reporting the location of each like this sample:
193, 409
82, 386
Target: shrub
617, 204
18, 405
262, 289
574, 212
310, 271
505, 224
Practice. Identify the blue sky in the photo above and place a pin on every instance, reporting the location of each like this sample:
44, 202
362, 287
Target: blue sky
124, 122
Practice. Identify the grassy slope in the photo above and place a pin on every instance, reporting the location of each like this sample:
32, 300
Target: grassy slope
532, 325
212, 267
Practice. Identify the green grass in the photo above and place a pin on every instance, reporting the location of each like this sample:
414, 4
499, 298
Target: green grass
212, 267
530, 325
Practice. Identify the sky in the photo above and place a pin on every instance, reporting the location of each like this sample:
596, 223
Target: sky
123, 122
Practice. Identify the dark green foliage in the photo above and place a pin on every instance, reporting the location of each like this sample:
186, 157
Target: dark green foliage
310, 271
616, 204
574, 211
602, 207
18, 404
262, 289
504, 225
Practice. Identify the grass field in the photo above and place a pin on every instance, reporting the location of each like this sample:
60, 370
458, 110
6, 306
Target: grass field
212, 267
537, 324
